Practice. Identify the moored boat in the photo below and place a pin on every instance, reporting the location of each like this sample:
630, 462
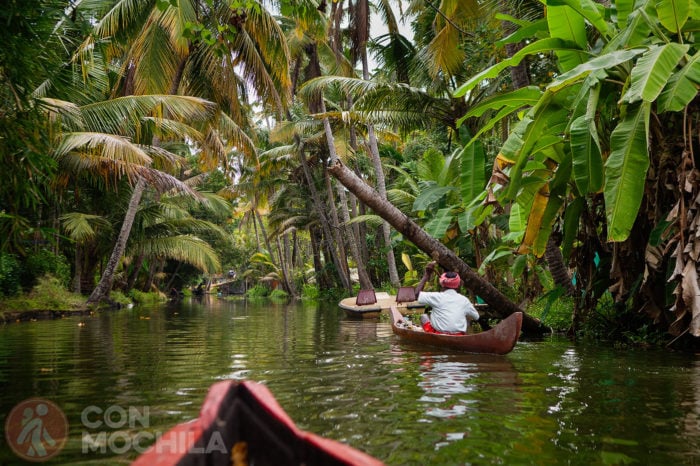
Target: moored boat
369, 305
241, 424
501, 339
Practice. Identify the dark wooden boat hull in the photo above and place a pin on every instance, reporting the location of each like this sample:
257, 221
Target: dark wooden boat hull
241, 423
501, 339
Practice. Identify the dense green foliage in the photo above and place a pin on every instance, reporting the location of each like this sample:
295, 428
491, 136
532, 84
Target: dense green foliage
153, 146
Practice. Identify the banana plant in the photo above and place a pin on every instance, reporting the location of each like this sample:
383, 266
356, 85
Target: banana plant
627, 74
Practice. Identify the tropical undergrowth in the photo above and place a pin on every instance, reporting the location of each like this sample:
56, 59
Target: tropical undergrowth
49, 294
556, 314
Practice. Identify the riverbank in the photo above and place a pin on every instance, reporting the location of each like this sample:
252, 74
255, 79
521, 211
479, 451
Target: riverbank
49, 299
7, 317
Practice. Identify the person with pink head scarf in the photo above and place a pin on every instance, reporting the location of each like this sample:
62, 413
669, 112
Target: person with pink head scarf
451, 311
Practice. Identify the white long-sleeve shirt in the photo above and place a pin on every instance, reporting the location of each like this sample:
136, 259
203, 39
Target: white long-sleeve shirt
450, 310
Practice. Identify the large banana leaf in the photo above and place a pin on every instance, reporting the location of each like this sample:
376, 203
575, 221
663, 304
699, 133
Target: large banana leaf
517, 221
472, 171
540, 46
600, 63
523, 97
430, 195
547, 190
542, 120
652, 71
438, 225
673, 13
625, 171
681, 88
588, 9
475, 213
624, 9
526, 30
587, 157
572, 218
565, 23
535, 217
550, 214
508, 104
637, 31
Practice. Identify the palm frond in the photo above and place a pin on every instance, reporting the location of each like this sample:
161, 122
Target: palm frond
120, 16
374, 221
103, 146
113, 115
235, 136
81, 227
184, 248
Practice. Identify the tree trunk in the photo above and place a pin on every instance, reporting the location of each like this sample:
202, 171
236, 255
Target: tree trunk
500, 305
345, 280
557, 268
135, 272
322, 281
335, 224
78, 268
381, 180
286, 280
104, 287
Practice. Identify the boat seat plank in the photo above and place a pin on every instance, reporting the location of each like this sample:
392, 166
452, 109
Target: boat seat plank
406, 294
366, 297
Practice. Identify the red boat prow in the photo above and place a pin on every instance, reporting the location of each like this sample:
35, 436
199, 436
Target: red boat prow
241, 423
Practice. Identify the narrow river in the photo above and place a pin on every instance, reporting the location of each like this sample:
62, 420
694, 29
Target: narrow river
547, 403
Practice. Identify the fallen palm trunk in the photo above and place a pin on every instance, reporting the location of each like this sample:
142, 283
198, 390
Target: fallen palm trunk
438, 251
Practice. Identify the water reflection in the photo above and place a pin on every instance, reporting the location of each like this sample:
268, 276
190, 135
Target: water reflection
548, 402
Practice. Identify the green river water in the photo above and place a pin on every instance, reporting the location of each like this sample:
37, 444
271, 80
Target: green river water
548, 402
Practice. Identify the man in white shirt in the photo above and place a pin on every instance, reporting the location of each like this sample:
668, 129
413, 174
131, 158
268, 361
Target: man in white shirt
450, 309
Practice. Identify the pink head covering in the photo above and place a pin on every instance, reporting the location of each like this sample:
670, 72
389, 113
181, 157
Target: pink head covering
450, 282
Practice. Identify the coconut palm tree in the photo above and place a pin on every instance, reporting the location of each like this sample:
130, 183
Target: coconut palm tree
360, 25
173, 50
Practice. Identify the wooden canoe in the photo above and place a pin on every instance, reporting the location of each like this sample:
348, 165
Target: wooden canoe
241, 423
500, 339
382, 303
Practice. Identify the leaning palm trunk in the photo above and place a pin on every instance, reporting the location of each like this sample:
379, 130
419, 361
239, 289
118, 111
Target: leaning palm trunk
104, 287
501, 306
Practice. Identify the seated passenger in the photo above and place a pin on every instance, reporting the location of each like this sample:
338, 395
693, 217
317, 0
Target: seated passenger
451, 310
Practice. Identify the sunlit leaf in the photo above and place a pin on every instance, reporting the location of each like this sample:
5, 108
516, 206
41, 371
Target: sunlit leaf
682, 88
651, 73
438, 225
543, 45
472, 171
565, 23
673, 13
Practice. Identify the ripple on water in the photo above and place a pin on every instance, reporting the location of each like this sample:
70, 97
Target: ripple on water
356, 383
